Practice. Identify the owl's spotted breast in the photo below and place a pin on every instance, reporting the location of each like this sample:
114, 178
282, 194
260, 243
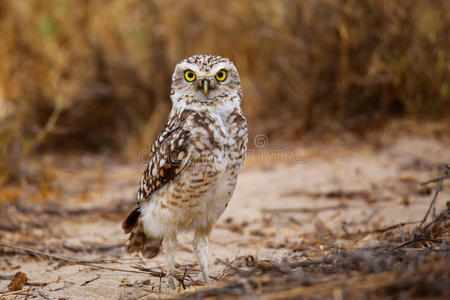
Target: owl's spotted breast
198, 195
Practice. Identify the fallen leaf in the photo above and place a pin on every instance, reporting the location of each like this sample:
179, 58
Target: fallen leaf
17, 283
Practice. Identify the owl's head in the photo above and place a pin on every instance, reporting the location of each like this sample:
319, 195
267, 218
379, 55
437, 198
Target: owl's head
204, 80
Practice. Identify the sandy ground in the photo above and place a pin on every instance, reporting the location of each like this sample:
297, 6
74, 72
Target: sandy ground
282, 198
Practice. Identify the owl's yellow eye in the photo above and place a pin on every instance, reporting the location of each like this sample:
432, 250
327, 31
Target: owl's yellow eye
221, 75
189, 75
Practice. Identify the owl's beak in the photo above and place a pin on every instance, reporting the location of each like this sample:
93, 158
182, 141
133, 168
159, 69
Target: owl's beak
205, 86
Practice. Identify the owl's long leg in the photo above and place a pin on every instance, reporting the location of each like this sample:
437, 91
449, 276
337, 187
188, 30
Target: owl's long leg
170, 246
201, 247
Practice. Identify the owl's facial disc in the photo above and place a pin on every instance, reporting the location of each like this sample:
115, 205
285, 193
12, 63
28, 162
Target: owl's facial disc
205, 80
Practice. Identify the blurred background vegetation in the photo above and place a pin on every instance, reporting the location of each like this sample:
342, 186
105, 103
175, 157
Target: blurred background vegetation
95, 75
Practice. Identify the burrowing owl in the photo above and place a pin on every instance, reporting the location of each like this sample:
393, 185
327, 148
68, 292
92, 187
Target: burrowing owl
195, 161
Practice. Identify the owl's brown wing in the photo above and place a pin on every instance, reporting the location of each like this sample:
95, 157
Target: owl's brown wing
167, 160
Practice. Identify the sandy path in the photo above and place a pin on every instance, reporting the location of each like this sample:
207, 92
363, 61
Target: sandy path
334, 192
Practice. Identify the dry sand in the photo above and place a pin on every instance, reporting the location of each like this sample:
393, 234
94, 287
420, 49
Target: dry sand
346, 189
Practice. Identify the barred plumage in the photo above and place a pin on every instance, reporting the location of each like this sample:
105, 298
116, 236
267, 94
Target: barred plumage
195, 161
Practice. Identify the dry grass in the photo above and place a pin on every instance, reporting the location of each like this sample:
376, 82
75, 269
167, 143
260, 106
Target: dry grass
95, 74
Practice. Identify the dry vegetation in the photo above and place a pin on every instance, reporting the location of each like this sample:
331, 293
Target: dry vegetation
95, 74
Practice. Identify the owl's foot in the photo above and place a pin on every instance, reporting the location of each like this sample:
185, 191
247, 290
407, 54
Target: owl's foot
171, 282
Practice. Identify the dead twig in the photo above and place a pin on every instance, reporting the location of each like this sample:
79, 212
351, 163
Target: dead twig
182, 279
92, 248
434, 180
433, 201
439, 181
56, 210
37, 252
225, 269
33, 283
89, 281
49, 126
381, 230
239, 271
302, 209
150, 271
416, 241
44, 296
28, 293
446, 175
160, 280
69, 260
13, 293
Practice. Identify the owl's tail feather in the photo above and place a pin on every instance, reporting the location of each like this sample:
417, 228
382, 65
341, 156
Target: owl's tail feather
138, 241
131, 221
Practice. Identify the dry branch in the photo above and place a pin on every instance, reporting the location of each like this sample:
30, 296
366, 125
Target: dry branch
69, 260
302, 209
381, 230
46, 297
13, 293
416, 240
89, 281
93, 248
419, 234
